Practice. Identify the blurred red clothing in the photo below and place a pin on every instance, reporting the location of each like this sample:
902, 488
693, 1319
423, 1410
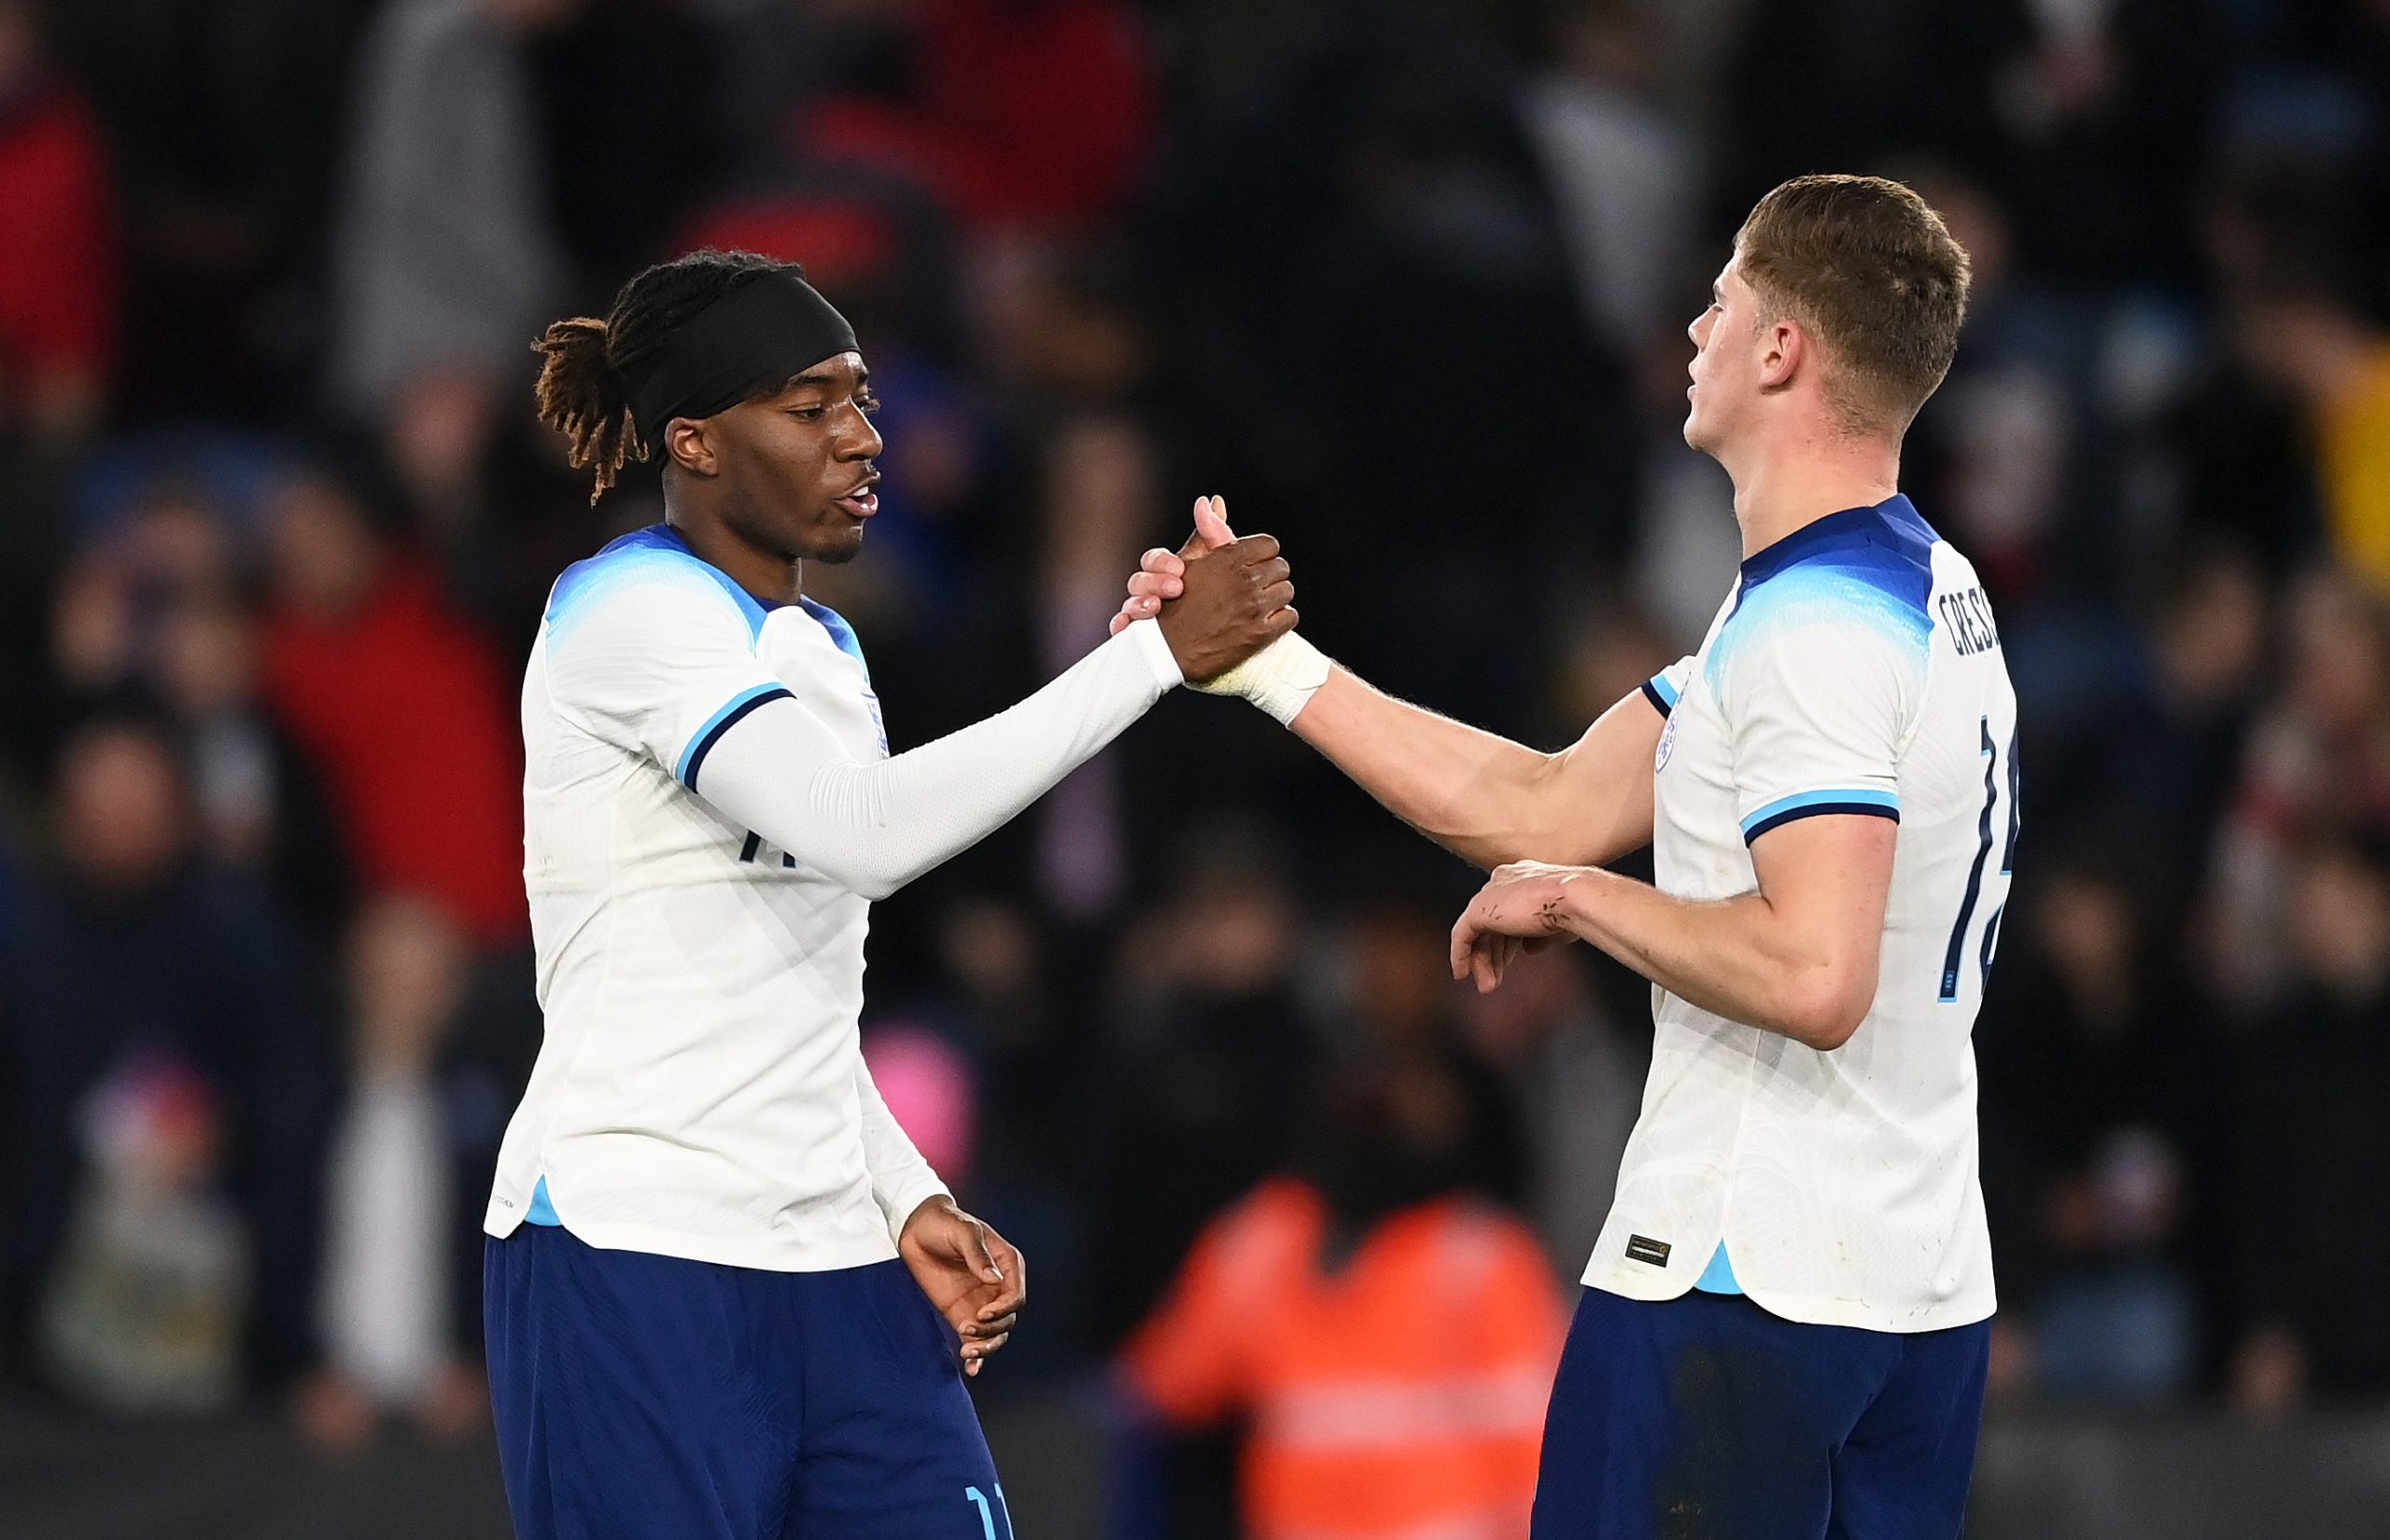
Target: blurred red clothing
402, 707
1401, 1395
1030, 112
58, 246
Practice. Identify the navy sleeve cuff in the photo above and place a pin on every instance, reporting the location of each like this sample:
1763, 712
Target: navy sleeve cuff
1783, 810
702, 743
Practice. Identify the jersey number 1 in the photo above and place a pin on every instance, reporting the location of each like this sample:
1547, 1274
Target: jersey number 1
1955, 956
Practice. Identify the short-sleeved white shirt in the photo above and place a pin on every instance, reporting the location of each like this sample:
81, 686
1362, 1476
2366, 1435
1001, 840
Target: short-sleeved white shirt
701, 1091
1855, 670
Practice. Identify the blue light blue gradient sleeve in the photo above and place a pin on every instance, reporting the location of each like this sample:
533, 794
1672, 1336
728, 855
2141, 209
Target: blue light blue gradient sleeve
1819, 676
647, 651
1667, 687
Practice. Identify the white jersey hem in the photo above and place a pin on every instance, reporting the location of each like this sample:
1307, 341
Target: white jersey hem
1939, 1315
720, 1250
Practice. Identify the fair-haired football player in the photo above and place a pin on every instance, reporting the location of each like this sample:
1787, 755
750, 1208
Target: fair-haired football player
726, 1298
1786, 1322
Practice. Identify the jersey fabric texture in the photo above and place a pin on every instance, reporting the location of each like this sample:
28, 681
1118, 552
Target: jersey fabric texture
641, 1395
1855, 670
1707, 1415
701, 1090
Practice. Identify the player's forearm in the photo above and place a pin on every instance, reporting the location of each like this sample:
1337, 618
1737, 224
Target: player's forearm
875, 826
1469, 790
1482, 796
1742, 957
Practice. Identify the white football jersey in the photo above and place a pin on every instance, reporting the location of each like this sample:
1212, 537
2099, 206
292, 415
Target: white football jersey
1855, 670
701, 1090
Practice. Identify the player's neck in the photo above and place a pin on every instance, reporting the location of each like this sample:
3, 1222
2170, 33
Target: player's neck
767, 578
1781, 488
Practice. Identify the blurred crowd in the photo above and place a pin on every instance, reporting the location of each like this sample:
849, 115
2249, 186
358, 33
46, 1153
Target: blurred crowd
1407, 282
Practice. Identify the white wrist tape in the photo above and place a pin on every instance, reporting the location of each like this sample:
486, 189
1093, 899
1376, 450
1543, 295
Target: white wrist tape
1281, 678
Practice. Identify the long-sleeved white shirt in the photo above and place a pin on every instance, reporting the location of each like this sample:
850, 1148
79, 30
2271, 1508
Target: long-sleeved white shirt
708, 809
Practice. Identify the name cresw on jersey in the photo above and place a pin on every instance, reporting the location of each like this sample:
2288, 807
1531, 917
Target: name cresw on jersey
1855, 670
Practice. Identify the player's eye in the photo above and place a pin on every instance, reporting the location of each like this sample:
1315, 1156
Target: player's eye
807, 412
869, 405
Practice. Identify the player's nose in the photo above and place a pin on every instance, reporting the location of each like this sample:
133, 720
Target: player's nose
862, 441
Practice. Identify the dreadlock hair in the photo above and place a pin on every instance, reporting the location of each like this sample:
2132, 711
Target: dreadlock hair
580, 389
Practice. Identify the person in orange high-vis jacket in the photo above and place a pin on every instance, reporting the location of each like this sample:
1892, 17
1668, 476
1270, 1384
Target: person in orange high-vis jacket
1397, 1396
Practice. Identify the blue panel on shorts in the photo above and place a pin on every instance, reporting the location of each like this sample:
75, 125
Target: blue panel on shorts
728, 1403
1707, 1415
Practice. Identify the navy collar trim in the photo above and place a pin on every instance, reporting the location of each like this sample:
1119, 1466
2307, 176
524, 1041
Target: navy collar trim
1851, 527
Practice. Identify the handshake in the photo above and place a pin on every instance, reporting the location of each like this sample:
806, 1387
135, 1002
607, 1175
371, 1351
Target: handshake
1226, 606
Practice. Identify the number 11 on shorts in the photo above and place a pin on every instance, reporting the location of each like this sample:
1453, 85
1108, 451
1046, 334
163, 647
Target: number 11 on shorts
988, 1512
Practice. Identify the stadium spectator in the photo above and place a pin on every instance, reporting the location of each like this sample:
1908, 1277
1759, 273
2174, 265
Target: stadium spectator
2102, 112
1210, 1068
1300, 1313
133, 948
172, 544
150, 608
224, 122
1374, 211
2155, 757
2335, 362
2318, 762
2084, 1180
445, 255
401, 705
1404, 1002
1576, 1079
58, 246
1027, 115
2309, 1083
1996, 444
145, 1309
257, 806
1619, 162
1103, 494
399, 1302
989, 1079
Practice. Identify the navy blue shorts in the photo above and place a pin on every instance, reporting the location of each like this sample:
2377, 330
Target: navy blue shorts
1706, 1417
640, 1395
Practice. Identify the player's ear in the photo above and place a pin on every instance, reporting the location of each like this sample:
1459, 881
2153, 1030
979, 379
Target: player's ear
688, 445
1783, 351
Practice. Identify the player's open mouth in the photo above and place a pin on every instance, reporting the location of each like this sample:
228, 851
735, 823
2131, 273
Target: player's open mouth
863, 501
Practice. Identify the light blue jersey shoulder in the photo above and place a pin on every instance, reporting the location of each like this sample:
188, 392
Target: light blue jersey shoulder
653, 556
658, 554
1867, 567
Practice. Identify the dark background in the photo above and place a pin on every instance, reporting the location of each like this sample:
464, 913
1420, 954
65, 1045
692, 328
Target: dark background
1408, 283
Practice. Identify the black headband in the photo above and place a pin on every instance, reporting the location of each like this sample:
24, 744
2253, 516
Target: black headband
767, 330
